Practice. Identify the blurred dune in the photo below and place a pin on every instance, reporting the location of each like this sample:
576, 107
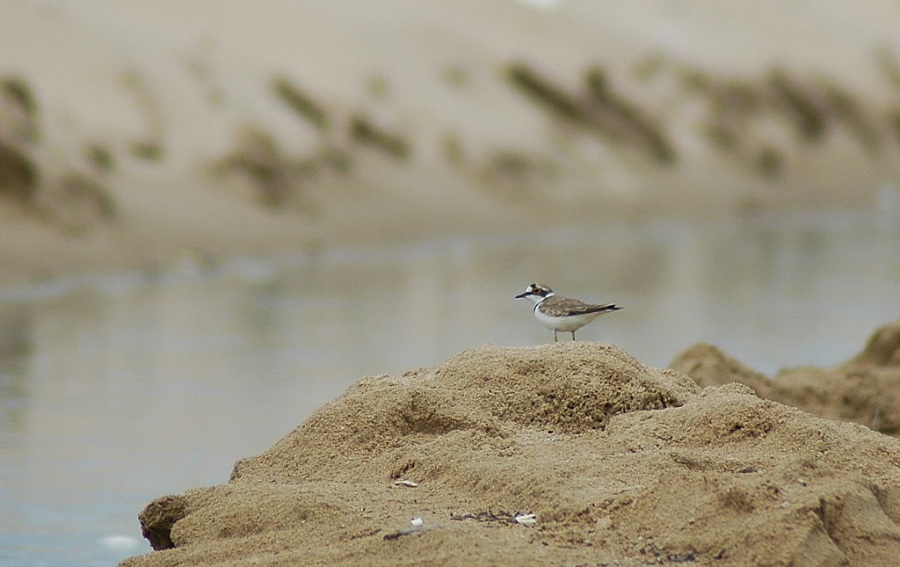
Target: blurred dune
136, 133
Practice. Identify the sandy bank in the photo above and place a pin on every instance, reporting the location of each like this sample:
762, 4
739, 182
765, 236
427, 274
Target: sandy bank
137, 134
619, 463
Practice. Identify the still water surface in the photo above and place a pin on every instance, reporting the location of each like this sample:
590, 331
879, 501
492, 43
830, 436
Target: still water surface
115, 390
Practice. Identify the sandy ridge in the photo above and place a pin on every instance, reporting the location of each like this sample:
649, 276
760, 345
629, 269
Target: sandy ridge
621, 464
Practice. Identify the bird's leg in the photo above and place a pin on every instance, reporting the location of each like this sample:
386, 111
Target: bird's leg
555, 339
573, 335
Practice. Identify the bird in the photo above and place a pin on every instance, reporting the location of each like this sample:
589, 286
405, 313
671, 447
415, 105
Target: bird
562, 313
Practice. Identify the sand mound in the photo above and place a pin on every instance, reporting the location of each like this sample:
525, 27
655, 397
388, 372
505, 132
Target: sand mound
864, 390
619, 463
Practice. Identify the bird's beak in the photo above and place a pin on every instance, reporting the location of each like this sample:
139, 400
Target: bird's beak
522, 295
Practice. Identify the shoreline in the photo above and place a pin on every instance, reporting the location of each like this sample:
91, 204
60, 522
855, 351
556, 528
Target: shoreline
41, 271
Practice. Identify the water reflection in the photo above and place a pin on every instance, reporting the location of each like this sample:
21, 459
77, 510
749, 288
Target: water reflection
15, 346
117, 390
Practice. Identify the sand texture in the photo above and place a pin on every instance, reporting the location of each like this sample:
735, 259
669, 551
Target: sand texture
619, 463
865, 390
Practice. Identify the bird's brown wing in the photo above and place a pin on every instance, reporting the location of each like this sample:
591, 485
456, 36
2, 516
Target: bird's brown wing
559, 306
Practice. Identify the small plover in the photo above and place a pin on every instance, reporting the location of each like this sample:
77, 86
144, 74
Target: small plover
561, 313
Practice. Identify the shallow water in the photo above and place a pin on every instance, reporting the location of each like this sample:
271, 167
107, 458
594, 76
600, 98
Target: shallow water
116, 390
